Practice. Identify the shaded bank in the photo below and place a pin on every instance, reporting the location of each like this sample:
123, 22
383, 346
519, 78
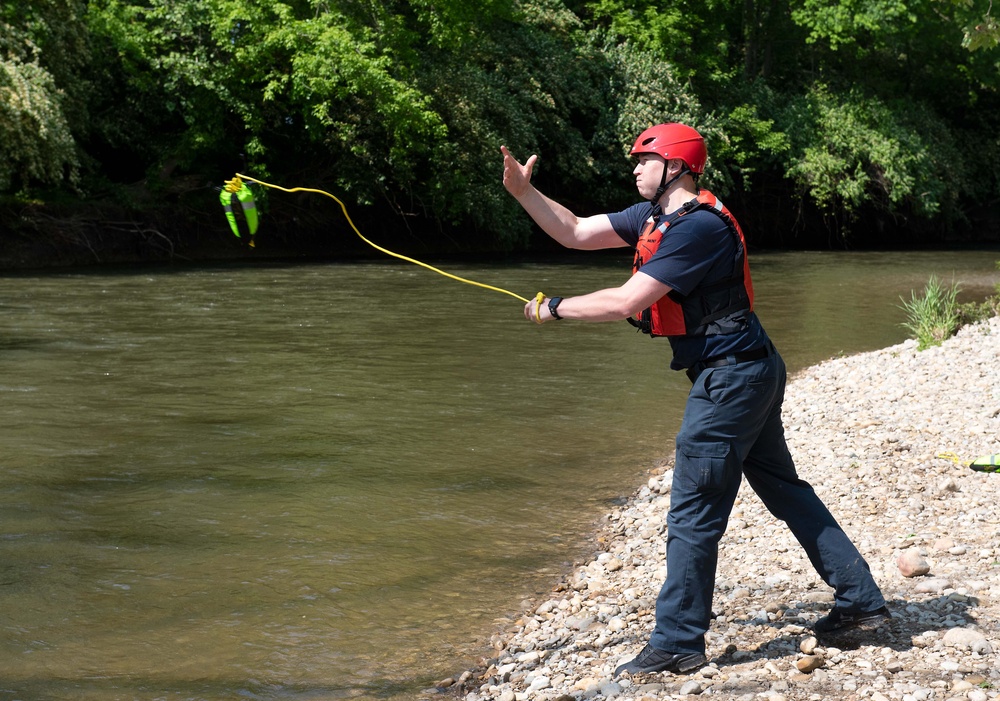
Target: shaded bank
177, 225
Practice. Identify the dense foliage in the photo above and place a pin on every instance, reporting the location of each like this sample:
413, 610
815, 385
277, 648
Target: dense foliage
859, 114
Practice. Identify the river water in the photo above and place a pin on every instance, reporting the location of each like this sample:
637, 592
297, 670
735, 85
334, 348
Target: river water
327, 481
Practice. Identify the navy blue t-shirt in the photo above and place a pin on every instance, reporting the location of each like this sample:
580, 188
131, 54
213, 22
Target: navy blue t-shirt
697, 250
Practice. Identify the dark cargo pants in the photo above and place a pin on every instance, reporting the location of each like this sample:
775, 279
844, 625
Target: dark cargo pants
732, 427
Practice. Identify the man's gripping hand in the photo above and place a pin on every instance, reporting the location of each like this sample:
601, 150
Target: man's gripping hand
537, 310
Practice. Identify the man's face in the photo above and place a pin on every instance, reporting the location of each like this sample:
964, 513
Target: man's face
648, 174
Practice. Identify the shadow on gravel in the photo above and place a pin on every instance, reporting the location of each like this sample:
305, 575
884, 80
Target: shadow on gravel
910, 619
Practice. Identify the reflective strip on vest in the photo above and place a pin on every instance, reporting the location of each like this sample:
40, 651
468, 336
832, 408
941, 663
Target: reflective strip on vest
245, 198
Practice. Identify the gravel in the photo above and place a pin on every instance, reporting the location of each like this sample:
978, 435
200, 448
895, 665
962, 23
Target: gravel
885, 438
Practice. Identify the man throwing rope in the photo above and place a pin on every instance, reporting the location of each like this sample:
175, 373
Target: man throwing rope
691, 283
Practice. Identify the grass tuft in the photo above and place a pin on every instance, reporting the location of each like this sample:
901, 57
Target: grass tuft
933, 316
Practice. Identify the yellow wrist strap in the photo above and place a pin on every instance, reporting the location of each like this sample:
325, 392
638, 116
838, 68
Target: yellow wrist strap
539, 298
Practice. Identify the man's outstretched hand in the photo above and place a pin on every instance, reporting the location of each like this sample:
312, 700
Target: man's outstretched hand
516, 177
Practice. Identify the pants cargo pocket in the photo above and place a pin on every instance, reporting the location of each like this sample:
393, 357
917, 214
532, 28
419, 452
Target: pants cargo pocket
705, 466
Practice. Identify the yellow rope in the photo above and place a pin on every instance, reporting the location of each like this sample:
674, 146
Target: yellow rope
383, 250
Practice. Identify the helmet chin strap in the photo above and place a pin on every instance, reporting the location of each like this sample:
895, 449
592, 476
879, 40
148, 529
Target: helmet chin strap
665, 184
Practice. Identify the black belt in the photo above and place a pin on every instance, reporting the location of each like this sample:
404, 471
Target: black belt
721, 361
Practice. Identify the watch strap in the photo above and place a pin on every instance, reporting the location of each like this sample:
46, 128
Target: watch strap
553, 305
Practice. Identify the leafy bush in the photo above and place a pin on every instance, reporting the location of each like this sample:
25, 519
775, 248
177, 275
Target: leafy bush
971, 312
853, 150
750, 141
41, 52
633, 107
531, 85
36, 145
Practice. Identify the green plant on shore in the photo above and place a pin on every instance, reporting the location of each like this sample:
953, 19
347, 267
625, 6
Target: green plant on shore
971, 312
933, 316
936, 315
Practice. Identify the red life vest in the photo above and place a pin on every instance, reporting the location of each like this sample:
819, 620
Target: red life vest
709, 310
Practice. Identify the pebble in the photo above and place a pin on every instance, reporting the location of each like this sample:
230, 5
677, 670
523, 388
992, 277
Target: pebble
963, 637
885, 438
809, 663
934, 585
691, 688
913, 564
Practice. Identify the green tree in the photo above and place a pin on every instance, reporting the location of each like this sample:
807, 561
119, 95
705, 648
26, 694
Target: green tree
910, 114
242, 76
852, 150
42, 56
862, 108
399, 103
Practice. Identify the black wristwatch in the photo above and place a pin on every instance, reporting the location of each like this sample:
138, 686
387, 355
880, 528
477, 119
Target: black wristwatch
553, 303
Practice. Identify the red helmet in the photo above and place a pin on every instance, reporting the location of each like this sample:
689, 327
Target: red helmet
674, 141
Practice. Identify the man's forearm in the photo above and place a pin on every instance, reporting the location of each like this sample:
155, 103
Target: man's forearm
553, 218
610, 304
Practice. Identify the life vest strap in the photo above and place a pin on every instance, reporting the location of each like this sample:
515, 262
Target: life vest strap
694, 322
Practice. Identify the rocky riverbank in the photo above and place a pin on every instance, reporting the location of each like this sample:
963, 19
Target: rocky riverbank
885, 438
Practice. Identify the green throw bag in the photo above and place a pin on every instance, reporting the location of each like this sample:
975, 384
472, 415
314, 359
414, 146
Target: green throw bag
987, 463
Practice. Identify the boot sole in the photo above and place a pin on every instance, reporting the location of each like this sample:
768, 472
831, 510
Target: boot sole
690, 664
867, 625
